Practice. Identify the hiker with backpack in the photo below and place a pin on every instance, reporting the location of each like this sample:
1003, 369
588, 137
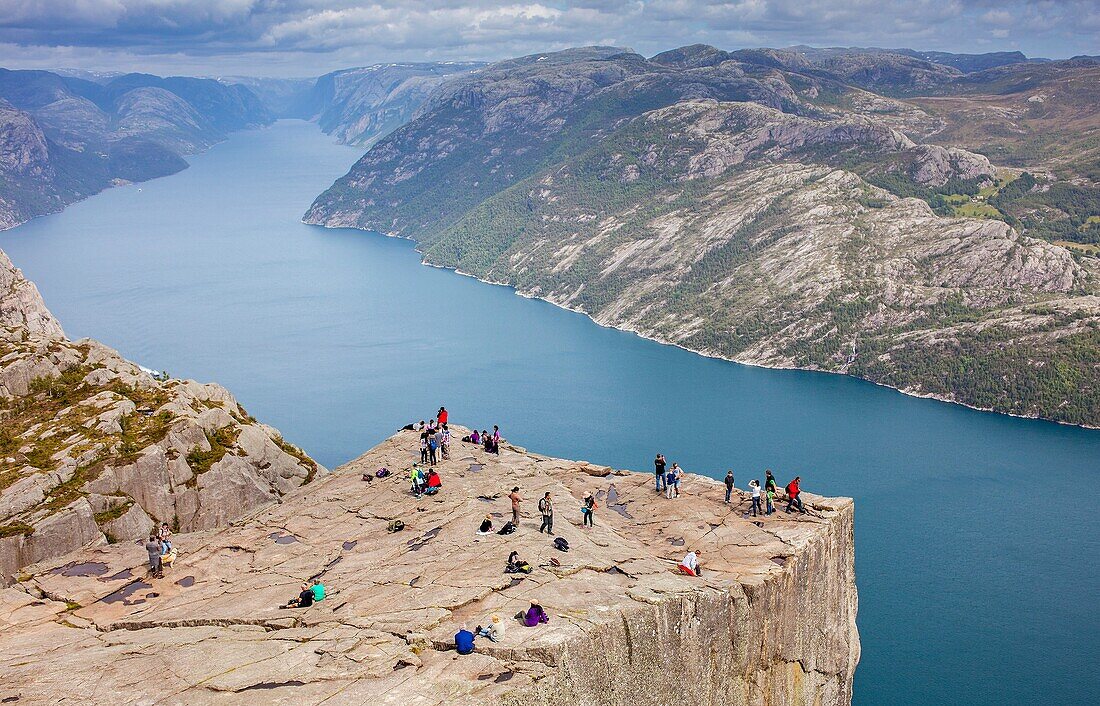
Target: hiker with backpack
588, 511
416, 478
433, 447
729, 485
514, 496
546, 509
793, 501
659, 472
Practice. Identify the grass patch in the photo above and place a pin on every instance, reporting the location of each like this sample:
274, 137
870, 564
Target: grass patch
297, 453
977, 209
202, 460
114, 513
16, 528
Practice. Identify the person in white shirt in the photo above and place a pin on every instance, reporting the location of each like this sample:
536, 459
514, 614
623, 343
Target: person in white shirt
754, 486
690, 564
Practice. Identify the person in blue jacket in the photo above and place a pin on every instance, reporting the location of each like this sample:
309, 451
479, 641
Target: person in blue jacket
464, 641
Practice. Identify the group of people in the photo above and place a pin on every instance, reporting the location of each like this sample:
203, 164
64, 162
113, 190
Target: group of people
489, 442
435, 439
534, 616
546, 512
424, 483
764, 499
160, 550
310, 594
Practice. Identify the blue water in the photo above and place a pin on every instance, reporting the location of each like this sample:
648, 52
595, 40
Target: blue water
977, 534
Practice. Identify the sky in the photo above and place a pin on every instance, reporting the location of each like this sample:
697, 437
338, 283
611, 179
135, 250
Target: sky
308, 37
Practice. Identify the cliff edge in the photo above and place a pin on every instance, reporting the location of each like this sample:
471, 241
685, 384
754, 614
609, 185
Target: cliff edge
771, 621
94, 449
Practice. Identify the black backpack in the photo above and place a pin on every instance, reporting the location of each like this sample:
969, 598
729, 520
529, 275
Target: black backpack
508, 528
561, 544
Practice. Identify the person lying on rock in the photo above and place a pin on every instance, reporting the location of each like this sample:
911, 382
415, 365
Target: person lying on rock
494, 630
486, 525
464, 641
304, 599
690, 565
534, 616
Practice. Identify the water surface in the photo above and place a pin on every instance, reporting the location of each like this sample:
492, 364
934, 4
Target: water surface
977, 538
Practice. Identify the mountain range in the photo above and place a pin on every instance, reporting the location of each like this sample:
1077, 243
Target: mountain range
787, 208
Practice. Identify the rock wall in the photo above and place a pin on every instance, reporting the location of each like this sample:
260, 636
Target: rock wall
93, 449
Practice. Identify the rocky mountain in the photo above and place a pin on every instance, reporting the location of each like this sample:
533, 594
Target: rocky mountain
746, 205
359, 105
63, 138
770, 621
95, 450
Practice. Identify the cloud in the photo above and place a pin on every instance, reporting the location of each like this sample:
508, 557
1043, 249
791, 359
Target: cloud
310, 36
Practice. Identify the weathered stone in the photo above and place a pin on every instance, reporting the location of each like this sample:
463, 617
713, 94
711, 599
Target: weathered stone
771, 620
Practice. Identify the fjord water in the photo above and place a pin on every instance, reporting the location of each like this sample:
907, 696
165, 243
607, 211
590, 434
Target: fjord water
976, 534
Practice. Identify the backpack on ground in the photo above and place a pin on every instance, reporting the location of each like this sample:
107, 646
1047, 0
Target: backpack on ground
561, 544
508, 528
382, 472
396, 526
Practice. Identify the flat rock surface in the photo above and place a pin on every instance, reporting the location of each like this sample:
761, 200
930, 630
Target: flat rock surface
93, 625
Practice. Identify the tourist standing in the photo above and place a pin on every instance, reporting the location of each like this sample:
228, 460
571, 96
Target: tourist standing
546, 509
754, 486
514, 496
793, 491
672, 481
769, 498
588, 510
659, 472
729, 485
769, 481
424, 446
445, 442
442, 416
433, 447
153, 549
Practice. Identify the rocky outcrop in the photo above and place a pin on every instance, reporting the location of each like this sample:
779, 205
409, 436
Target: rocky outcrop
771, 620
94, 449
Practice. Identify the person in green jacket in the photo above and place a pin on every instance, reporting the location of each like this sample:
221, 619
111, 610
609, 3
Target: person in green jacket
318, 590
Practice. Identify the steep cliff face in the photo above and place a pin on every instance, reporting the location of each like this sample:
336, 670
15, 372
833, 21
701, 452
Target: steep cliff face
771, 620
93, 449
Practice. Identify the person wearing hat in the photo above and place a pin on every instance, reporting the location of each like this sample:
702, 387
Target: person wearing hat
516, 500
534, 615
494, 630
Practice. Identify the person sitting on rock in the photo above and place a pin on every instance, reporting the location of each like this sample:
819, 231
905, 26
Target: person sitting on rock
434, 483
464, 641
534, 616
475, 438
690, 565
486, 525
486, 441
304, 599
494, 630
318, 590
515, 565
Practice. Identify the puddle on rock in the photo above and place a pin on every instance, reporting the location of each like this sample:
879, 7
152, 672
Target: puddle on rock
780, 560
123, 594
87, 568
676, 541
612, 494
274, 684
349, 545
504, 676
285, 539
475, 467
124, 575
416, 544
186, 581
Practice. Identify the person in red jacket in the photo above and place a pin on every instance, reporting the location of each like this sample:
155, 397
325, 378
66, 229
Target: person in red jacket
792, 496
442, 416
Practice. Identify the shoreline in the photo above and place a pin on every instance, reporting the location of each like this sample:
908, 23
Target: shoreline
655, 338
